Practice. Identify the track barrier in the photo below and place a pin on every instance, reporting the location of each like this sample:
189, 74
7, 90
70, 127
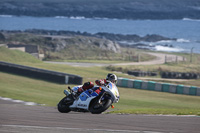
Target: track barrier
165, 87
137, 84
169, 75
179, 75
162, 87
42, 74
151, 85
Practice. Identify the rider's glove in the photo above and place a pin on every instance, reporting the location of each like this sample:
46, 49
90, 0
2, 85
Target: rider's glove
100, 82
80, 90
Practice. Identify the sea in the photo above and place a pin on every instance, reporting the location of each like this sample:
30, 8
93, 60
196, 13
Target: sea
186, 31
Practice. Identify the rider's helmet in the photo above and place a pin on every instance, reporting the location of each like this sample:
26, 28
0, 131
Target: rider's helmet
111, 78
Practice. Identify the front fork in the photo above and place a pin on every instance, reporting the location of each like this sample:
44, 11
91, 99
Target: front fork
101, 98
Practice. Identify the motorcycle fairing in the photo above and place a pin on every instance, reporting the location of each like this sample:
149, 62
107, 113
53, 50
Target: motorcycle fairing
114, 91
85, 98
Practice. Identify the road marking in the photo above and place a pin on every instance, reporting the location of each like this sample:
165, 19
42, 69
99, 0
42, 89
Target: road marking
20, 101
82, 129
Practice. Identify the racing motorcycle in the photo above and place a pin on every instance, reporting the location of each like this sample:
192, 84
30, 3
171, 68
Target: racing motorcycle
95, 100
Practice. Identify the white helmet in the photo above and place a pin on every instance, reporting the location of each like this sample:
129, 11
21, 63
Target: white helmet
112, 78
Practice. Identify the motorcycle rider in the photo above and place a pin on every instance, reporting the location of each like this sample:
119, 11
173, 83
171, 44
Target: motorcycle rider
102, 82
110, 78
103, 97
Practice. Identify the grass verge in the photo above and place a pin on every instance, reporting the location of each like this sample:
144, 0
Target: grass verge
136, 101
132, 100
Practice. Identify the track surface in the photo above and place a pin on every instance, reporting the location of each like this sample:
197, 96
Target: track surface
18, 118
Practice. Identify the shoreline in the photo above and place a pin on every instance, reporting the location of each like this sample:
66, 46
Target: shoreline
151, 42
98, 18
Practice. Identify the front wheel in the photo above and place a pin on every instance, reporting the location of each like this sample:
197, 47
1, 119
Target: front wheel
97, 108
63, 105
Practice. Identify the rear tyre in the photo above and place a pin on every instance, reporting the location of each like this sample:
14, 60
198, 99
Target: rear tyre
63, 105
97, 108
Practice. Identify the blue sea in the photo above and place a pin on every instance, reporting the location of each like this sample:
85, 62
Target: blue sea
187, 31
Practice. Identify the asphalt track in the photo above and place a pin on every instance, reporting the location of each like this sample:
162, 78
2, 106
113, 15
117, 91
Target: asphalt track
19, 118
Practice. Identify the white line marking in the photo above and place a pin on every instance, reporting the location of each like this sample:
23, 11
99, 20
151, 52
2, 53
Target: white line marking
65, 128
20, 101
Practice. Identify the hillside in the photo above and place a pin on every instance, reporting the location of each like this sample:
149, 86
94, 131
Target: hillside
73, 47
66, 47
16, 56
122, 9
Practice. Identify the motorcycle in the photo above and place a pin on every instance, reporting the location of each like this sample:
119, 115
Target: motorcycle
95, 100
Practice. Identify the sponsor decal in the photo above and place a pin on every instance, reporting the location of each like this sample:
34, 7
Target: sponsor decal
110, 86
97, 91
85, 95
82, 105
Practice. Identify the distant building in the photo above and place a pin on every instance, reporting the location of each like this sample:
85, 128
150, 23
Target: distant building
31, 49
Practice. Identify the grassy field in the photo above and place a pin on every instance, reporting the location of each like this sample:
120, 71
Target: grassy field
181, 66
131, 100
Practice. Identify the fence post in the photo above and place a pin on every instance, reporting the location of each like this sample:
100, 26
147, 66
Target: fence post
138, 57
191, 54
183, 59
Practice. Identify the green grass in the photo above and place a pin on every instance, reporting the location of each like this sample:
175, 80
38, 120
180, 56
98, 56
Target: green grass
27, 89
131, 100
170, 67
94, 61
16, 56
150, 102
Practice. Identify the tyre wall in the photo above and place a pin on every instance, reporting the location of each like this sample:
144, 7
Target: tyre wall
162, 87
42, 74
179, 75
142, 73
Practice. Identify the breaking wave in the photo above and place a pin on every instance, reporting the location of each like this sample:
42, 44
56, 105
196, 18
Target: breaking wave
164, 45
6, 16
189, 19
74, 18
182, 40
78, 17
84, 18
168, 49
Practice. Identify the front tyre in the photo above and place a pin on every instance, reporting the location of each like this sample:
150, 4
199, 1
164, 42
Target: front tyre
63, 105
97, 108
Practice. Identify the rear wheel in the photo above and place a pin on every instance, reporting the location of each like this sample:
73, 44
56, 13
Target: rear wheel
97, 107
63, 105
